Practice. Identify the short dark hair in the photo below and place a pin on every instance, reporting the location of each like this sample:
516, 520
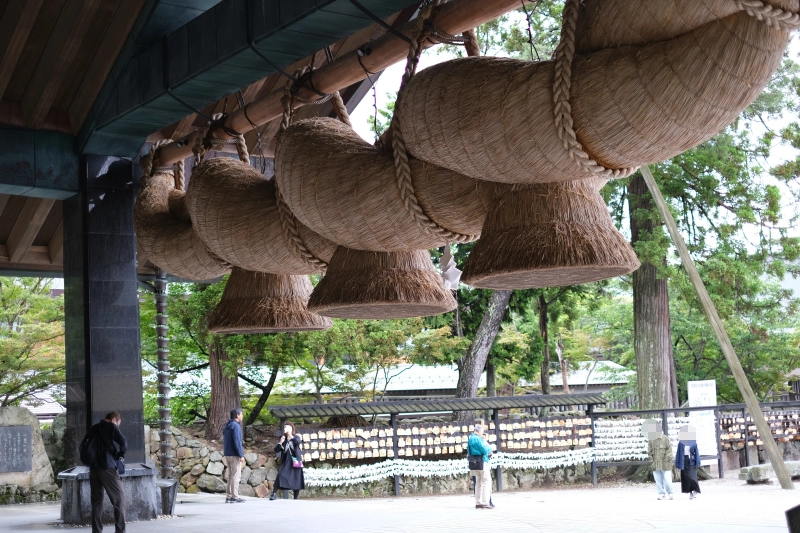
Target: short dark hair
236, 411
113, 415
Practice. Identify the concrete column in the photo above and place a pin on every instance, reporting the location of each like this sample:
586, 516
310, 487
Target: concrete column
101, 304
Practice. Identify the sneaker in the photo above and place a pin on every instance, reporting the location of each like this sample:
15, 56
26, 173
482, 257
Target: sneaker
670, 496
238, 500
228, 500
662, 498
273, 496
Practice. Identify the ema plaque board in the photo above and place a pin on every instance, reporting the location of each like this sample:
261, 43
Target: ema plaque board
16, 444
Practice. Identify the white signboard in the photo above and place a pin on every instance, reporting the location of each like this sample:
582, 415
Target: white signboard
702, 393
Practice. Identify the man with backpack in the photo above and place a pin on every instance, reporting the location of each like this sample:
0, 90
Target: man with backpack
99, 453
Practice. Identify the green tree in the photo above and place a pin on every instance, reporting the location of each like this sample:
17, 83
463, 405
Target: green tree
31, 339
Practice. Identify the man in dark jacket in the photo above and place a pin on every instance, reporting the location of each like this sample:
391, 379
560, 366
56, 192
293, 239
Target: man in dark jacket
234, 454
104, 476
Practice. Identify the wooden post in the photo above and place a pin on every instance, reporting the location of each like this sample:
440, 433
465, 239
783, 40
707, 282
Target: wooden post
722, 336
590, 412
720, 468
499, 469
746, 452
393, 418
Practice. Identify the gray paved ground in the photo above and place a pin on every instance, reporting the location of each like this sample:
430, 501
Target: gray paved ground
725, 505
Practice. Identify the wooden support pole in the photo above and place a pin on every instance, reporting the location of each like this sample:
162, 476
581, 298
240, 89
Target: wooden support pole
722, 336
454, 18
395, 449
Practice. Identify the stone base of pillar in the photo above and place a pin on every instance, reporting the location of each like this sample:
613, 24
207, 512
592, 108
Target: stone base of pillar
141, 498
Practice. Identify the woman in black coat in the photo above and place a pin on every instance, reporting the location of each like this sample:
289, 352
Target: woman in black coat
289, 449
687, 459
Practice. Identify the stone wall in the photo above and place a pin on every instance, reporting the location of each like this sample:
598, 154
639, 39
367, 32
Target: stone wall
200, 468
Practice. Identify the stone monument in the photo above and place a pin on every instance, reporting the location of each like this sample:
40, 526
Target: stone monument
25, 471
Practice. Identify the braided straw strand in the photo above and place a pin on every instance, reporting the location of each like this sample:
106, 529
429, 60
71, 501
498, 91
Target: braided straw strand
287, 218
341, 109
772, 16
562, 85
400, 152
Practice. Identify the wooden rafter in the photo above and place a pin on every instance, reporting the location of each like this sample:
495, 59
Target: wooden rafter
3, 201
55, 62
15, 26
55, 248
28, 224
110, 46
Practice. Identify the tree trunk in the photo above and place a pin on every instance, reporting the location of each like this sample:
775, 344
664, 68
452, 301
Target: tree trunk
543, 326
224, 393
478, 352
655, 368
262, 399
563, 364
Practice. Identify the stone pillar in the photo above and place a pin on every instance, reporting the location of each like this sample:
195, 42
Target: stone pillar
101, 304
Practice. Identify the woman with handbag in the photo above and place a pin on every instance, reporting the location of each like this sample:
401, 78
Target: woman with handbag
478, 452
290, 472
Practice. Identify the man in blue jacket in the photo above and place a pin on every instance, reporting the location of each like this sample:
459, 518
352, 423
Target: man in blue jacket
234, 454
103, 475
483, 478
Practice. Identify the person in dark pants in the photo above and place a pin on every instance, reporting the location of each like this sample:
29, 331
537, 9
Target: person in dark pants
290, 476
687, 459
103, 476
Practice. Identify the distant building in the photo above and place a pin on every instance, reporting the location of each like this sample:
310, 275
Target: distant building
404, 382
602, 376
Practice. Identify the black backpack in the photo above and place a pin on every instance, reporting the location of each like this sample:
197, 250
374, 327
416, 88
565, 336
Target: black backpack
93, 447
89, 449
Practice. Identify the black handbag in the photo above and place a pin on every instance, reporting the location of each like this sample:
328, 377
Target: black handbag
475, 462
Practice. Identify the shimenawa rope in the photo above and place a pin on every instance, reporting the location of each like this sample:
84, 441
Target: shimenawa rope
402, 168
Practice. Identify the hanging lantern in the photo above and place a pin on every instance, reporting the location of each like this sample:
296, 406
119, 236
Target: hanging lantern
380, 285
258, 302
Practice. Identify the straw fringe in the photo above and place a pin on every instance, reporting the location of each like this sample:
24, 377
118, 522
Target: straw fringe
549, 235
684, 90
234, 211
380, 285
165, 234
255, 302
344, 189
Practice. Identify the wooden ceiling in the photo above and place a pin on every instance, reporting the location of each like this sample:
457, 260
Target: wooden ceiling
31, 233
55, 57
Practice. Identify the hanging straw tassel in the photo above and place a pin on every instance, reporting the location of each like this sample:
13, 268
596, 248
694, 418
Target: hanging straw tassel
534, 122
257, 302
235, 212
549, 235
163, 228
378, 285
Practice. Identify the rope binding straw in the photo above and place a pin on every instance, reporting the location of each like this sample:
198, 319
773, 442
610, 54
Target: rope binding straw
287, 218
404, 182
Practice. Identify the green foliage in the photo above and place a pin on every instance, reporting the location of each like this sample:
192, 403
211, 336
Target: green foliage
31, 339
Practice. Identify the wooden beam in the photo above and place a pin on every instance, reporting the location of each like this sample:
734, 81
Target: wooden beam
56, 60
454, 17
110, 46
15, 26
739, 375
28, 224
55, 248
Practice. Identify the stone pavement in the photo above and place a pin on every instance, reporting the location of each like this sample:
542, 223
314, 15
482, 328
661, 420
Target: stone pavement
725, 505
